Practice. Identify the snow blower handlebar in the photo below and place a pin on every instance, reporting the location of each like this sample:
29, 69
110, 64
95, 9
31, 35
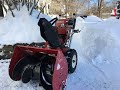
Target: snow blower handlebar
76, 31
53, 21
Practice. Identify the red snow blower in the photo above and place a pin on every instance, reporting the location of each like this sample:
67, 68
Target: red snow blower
50, 64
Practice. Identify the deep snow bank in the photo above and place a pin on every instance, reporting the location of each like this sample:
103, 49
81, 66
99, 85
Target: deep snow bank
21, 29
93, 18
99, 41
98, 48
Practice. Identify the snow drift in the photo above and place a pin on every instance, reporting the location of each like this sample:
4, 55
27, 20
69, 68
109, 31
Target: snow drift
99, 39
21, 29
98, 47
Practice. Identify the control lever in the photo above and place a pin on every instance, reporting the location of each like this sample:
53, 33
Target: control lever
76, 31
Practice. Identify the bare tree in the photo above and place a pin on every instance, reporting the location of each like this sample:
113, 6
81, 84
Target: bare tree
69, 7
8, 3
99, 7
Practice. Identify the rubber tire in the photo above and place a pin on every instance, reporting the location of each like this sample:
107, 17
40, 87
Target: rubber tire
45, 85
69, 57
44, 79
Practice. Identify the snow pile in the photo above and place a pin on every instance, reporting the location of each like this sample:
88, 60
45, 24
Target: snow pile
79, 23
112, 50
100, 39
98, 48
21, 29
92, 42
93, 18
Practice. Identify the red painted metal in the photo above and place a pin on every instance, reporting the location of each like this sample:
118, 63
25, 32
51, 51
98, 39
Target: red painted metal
114, 12
60, 69
20, 51
62, 26
62, 29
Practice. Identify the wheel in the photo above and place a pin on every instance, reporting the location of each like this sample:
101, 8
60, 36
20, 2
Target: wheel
46, 73
72, 60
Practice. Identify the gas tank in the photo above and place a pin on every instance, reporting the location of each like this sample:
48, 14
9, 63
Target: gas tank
62, 26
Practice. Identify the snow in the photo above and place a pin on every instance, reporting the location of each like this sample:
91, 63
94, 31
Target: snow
8, 84
92, 18
97, 45
99, 60
21, 29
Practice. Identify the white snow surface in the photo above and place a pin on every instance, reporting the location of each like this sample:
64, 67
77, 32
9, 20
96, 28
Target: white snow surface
97, 45
92, 18
21, 29
98, 52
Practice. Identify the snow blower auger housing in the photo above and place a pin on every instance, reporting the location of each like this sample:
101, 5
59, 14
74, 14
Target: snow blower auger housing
51, 64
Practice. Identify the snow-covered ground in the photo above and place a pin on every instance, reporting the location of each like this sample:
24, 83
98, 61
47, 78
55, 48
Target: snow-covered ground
97, 45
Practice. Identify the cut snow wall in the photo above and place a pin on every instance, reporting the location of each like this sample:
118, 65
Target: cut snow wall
98, 40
